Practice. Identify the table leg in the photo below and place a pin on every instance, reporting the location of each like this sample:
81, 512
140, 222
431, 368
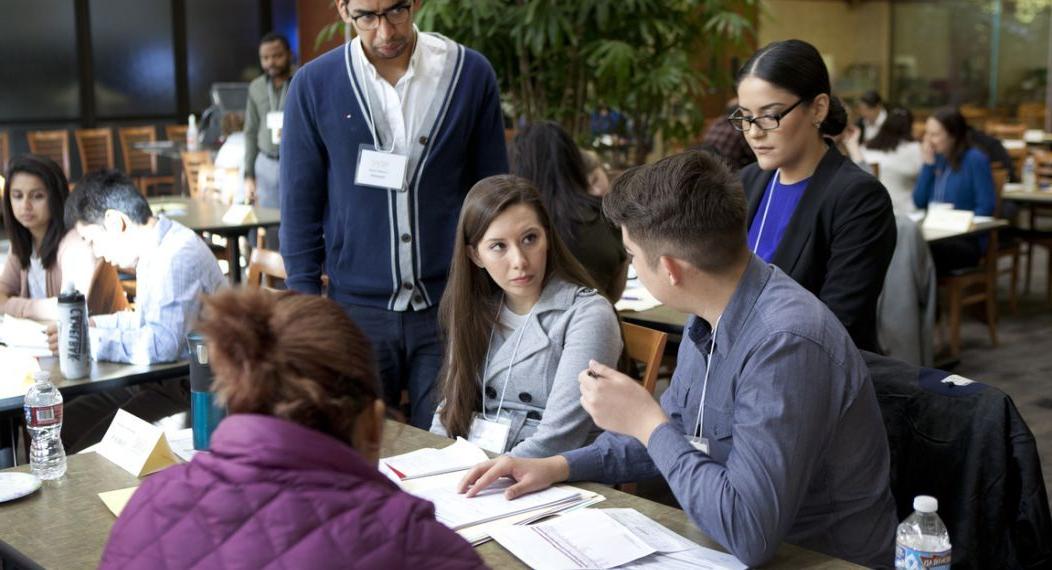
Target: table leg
8, 441
233, 256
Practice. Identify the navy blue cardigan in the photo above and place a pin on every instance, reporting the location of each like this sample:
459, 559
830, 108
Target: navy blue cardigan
329, 224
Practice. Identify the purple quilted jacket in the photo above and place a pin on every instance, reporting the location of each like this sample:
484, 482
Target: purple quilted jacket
274, 494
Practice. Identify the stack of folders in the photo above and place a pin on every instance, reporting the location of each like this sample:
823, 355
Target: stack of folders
608, 538
433, 474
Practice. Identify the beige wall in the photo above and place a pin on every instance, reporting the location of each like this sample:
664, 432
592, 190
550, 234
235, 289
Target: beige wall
846, 34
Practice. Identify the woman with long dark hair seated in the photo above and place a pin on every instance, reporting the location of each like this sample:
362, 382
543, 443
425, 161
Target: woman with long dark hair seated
544, 154
521, 321
955, 175
896, 154
291, 478
46, 256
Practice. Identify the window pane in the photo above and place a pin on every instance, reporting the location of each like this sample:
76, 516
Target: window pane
39, 69
222, 45
133, 58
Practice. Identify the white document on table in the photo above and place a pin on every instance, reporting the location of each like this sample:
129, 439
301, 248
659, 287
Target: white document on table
426, 462
458, 511
649, 531
636, 298
25, 336
699, 558
589, 538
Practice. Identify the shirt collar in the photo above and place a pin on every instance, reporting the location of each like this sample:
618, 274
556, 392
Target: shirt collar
737, 312
415, 60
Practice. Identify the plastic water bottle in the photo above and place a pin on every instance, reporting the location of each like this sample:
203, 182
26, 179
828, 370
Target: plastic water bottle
43, 409
922, 542
1029, 174
191, 133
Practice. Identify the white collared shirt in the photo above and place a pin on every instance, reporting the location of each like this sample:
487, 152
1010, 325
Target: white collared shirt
873, 128
399, 110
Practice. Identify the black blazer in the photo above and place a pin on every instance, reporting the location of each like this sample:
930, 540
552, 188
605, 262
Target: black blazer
839, 242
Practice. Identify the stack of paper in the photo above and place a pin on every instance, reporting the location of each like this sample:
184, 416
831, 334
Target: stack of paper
25, 336
608, 538
434, 474
458, 511
427, 462
636, 298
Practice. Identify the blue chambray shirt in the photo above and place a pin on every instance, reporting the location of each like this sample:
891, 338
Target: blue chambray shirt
798, 450
170, 279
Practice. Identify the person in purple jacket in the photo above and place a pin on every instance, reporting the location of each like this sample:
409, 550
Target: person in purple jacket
291, 480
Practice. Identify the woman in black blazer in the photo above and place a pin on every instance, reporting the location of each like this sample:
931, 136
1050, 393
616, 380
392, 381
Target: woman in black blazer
812, 212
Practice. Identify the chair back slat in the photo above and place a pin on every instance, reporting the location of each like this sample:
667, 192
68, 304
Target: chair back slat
95, 147
264, 265
176, 133
192, 163
135, 160
52, 144
646, 346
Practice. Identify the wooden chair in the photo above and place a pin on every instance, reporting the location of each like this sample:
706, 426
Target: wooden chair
1018, 156
192, 163
176, 133
263, 266
140, 165
1033, 235
5, 151
95, 147
973, 286
975, 115
52, 144
1008, 246
1006, 131
1032, 114
646, 346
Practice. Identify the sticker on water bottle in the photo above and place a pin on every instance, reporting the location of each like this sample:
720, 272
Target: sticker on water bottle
43, 416
913, 559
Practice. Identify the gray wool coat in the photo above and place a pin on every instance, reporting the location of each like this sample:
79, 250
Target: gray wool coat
569, 326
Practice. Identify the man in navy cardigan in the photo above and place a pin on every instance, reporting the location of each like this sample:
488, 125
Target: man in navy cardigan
430, 107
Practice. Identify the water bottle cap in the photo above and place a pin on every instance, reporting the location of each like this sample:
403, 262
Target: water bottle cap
925, 504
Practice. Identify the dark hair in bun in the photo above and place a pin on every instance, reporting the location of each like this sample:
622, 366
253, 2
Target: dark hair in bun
296, 357
797, 67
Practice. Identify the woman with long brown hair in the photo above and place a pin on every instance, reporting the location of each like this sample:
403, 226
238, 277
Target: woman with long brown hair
290, 480
521, 319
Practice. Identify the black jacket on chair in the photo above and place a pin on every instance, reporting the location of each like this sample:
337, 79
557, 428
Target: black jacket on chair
839, 241
966, 445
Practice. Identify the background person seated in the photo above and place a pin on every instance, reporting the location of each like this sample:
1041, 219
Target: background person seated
545, 154
955, 175
291, 479
45, 254
897, 156
520, 313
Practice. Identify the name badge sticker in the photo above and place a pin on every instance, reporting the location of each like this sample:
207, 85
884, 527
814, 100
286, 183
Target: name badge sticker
699, 443
275, 119
379, 169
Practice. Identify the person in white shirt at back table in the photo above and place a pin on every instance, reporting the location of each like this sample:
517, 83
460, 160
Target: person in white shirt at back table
173, 269
897, 156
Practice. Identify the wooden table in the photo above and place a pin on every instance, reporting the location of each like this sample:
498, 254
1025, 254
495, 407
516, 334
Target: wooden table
202, 215
104, 376
65, 525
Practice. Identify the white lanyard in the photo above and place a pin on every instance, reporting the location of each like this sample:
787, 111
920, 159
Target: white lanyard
368, 103
766, 208
705, 383
511, 364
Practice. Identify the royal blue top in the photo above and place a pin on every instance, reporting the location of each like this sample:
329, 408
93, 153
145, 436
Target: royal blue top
969, 187
783, 200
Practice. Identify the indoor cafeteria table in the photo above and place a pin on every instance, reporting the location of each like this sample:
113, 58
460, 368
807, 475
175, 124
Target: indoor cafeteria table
77, 523
104, 376
203, 215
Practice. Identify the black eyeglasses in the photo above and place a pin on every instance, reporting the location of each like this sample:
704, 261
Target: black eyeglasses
371, 20
765, 122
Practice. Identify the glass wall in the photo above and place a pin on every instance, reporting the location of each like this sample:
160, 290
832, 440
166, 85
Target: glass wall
39, 69
134, 58
222, 41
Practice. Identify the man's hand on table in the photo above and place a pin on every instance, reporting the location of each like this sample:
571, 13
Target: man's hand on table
52, 335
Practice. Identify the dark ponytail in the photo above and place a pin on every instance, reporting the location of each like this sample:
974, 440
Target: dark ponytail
797, 67
836, 118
